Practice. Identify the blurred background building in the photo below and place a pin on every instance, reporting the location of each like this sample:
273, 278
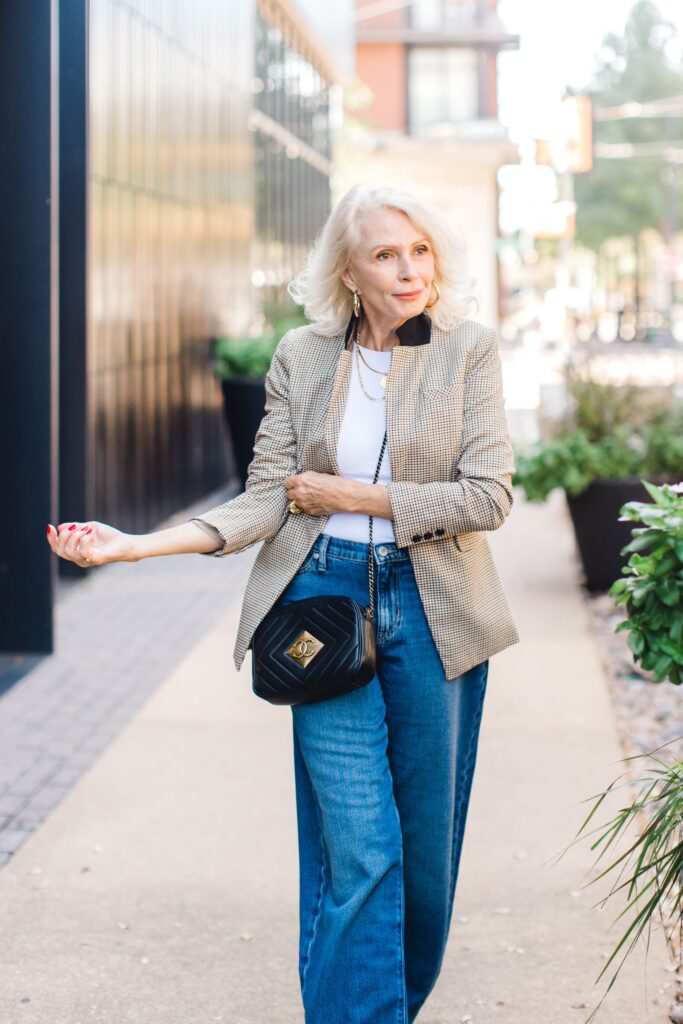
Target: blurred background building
425, 117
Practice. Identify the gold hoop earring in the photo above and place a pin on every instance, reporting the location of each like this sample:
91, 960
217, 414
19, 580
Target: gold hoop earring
438, 296
356, 304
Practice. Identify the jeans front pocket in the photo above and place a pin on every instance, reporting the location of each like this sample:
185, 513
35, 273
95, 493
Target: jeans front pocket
310, 562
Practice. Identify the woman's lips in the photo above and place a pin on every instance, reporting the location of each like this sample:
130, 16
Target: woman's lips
408, 295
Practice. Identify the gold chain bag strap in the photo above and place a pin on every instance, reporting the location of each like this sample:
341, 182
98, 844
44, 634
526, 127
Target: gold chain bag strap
317, 648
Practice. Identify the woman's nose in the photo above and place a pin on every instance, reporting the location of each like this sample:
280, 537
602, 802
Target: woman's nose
406, 270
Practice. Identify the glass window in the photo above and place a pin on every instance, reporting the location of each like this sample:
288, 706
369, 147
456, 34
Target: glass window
443, 86
435, 14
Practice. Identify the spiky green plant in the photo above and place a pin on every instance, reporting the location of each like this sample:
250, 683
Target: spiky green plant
654, 859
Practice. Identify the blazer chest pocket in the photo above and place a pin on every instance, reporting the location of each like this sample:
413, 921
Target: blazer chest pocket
438, 425
443, 394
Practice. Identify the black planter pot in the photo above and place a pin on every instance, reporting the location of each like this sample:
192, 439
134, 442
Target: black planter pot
244, 406
599, 534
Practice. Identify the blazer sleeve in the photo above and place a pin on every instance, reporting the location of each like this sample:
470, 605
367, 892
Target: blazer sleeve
482, 496
258, 512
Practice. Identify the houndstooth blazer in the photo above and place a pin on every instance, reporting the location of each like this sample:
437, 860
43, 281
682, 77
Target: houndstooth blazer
451, 464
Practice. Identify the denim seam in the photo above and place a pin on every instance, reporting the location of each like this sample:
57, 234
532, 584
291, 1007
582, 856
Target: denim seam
318, 909
401, 1009
458, 803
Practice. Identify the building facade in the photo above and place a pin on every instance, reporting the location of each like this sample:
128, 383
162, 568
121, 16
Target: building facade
176, 163
430, 123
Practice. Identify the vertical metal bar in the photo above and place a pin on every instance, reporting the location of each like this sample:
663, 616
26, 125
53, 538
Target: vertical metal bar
28, 346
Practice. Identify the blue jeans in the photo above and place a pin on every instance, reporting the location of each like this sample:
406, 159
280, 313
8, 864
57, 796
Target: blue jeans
383, 778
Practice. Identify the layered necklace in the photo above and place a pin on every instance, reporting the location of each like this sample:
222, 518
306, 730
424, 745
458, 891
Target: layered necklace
382, 375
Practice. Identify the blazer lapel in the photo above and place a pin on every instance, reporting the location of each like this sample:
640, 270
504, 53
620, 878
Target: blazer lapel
335, 410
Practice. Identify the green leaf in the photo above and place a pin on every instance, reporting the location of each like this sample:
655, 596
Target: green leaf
672, 650
636, 642
642, 539
662, 668
667, 563
641, 590
656, 493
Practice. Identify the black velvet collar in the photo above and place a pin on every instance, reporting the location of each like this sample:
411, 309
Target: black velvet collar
415, 331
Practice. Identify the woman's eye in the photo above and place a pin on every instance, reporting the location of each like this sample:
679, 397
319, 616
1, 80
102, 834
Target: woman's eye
383, 254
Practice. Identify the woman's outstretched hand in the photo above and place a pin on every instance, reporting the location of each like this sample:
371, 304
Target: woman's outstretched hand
90, 543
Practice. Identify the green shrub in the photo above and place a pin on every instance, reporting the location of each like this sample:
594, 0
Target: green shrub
653, 591
574, 460
250, 358
243, 357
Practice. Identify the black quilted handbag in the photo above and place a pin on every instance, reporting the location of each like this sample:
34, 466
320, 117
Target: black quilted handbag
320, 647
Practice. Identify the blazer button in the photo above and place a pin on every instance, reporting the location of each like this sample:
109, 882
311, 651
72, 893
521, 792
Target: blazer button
428, 536
439, 532
417, 536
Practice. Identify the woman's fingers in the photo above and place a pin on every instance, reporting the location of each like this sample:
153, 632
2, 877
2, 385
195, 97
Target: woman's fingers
80, 540
66, 541
69, 542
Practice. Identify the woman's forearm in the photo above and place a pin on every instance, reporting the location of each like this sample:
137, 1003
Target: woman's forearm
185, 539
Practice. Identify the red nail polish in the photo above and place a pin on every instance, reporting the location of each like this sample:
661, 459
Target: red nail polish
89, 530
73, 526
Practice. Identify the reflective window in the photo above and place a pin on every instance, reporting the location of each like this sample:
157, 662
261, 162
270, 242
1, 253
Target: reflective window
292, 153
443, 86
193, 209
435, 14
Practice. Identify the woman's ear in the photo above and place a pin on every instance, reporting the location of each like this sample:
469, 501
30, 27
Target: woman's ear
348, 280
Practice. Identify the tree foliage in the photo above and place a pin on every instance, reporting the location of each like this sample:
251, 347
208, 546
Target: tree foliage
624, 196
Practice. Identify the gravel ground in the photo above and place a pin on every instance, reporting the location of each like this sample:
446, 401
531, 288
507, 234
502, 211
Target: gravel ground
647, 715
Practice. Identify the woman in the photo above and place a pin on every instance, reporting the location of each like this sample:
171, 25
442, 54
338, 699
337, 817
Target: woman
383, 774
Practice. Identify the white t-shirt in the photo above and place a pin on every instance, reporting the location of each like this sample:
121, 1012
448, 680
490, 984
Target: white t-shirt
360, 442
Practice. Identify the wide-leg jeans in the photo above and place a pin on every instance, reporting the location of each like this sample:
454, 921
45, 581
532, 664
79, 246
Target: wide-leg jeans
383, 778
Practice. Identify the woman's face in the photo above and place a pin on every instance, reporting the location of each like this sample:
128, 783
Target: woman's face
392, 267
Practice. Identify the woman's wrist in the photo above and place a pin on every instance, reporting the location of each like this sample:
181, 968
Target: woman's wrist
370, 499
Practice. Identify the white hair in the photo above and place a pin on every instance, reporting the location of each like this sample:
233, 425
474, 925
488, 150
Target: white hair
327, 301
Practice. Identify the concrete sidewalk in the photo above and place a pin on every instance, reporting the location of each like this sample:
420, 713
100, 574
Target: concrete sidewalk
163, 888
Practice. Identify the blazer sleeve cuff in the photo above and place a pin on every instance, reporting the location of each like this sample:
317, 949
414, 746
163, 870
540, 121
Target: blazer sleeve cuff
212, 531
420, 512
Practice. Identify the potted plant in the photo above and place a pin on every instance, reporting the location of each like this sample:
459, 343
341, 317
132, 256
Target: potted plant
651, 588
611, 439
241, 364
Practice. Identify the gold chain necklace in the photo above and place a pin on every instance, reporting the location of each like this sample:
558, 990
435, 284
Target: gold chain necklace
383, 375
360, 379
